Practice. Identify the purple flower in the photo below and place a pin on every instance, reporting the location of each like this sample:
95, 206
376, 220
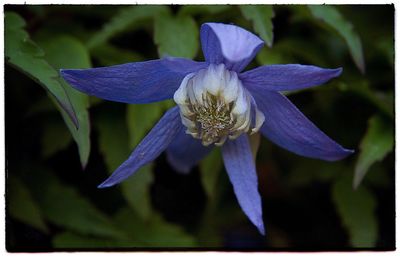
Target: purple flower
217, 104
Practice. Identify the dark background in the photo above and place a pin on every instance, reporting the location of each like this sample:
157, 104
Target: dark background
299, 207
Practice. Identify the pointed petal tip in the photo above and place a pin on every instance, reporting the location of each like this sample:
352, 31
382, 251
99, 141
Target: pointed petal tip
347, 152
261, 228
337, 72
287, 77
343, 153
64, 72
68, 75
240, 166
105, 184
109, 182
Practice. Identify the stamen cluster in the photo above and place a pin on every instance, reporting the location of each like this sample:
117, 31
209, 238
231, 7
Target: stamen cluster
215, 106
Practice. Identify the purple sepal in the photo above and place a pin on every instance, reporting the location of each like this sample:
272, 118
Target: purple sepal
287, 127
287, 77
184, 152
229, 44
149, 148
239, 164
136, 82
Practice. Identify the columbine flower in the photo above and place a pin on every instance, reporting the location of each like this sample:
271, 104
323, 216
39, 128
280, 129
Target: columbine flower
217, 104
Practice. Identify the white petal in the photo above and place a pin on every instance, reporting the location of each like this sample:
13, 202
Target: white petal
247, 121
180, 95
260, 118
242, 103
213, 80
187, 122
185, 110
231, 91
198, 86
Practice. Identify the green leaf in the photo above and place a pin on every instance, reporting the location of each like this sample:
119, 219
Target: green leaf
202, 9
283, 52
363, 89
152, 233
113, 141
378, 176
65, 207
210, 168
331, 16
22, 206
65, 52
113, 135
22, 53
123, 20
261, 17
140, 119
109, 55
136, 190
271, 56
155, 232
386, 46
58, 48
357, 211
308, 171
55, 137
72, 240
176, 36
375, 145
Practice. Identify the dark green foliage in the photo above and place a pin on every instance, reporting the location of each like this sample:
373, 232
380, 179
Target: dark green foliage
261, 17
306, 203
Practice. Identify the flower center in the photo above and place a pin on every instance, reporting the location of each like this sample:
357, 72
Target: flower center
215, 106
213, 118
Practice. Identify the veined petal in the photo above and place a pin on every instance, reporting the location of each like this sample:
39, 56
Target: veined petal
287, 77
184, 152
149, 148
241, 170
137, 82
229, 44
287, 127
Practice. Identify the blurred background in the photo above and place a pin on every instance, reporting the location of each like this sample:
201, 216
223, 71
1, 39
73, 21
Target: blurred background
53, 169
